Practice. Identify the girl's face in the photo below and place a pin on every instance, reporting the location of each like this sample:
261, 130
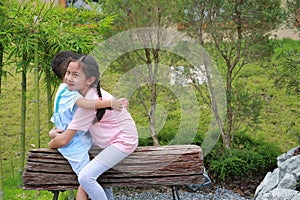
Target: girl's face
76, 78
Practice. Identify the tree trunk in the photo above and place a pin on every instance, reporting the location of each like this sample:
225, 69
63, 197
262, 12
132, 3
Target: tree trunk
23, 121
49, 97
227, 137
36, 97
152, 78
1, 65
152, 126
1, 173
214, 105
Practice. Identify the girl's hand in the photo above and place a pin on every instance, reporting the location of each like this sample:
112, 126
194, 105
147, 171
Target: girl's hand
54, 132
125, 102
116, 104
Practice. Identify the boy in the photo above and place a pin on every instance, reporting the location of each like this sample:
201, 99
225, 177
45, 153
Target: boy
65, 104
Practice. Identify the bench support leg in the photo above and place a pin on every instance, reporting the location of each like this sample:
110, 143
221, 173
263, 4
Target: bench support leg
175, 192
55, 195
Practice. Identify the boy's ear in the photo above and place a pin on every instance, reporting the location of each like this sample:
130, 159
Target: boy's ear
91, 80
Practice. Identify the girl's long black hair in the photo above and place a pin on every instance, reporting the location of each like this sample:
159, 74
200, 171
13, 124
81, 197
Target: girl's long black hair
91, 68
101, 111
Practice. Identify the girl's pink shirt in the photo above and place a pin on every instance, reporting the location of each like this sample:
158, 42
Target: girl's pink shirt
116, 127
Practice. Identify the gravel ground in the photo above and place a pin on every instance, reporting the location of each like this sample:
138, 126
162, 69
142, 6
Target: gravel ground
219, 194
203, 191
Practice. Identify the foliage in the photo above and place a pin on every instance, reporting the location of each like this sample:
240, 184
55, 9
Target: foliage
273, 129
5, 38
55, 29
236, 34
264, 153
72, 29
30, 24
265, 115
228, 166
140, 14
247, 157
285, 69
293, 14
288, 74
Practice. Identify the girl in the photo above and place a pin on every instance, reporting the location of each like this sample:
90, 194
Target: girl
113, 131
65, 105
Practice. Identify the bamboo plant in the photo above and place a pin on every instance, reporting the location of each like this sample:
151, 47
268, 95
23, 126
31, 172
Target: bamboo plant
33, 46
1, 173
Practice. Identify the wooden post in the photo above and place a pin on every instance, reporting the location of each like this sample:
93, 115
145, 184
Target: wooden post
55, 195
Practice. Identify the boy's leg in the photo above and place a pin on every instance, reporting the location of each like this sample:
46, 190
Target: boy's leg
77, 162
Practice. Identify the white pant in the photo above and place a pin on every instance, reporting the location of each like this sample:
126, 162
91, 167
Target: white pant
88, 176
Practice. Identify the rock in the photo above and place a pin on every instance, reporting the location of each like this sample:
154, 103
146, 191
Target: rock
288, 181
281, 183
280, 194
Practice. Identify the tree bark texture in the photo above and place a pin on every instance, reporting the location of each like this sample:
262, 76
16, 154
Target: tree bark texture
46, 169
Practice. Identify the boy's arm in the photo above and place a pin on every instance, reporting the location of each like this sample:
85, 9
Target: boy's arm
54, 132
61, 140
97, 104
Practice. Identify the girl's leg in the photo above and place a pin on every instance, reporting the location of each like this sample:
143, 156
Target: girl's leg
81, 195
87, 178
109, 193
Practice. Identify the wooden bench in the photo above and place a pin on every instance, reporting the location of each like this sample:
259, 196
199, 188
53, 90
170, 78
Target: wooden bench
172, 165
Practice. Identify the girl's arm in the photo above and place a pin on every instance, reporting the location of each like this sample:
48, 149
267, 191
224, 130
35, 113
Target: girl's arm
97, 104
61, 140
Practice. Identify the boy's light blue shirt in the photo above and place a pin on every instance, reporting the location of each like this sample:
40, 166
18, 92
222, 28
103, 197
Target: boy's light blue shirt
64, 109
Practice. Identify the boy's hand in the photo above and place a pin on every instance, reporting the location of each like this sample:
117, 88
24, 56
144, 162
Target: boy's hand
116, 104
54, 132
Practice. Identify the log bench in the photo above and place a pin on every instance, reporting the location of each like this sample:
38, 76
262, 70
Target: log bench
173, 165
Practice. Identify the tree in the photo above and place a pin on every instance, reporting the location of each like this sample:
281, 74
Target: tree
293, 14
32, 39
1, 173
286, 70
5, 37
72, 29
236, 34
23, 48
138, 14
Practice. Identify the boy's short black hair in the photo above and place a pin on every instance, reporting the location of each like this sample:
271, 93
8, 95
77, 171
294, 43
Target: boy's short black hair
61, 60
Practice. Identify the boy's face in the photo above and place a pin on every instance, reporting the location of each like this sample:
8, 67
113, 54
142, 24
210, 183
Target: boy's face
76, 78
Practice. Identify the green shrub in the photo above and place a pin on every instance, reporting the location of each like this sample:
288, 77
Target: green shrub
228, 166
247, 157
254, 160
270, 153
145, 141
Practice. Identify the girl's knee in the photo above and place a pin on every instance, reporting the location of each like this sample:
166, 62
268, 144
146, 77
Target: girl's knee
83, 179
